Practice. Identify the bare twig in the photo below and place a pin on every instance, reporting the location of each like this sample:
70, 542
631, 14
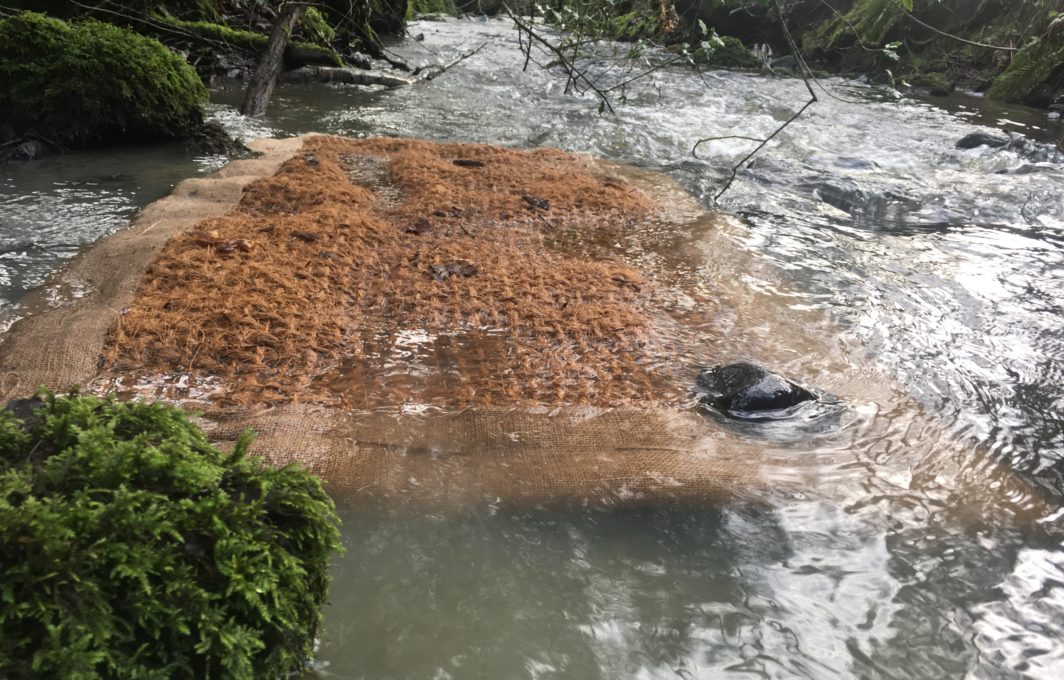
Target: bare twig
576, 75
804, 69
435, 70
928, 26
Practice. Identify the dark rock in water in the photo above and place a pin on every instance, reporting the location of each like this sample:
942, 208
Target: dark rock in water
359, 60
296, 56
748, 391
785, 63
211, 138
977, 139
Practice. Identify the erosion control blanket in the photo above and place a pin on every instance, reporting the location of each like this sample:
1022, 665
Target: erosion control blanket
450, 321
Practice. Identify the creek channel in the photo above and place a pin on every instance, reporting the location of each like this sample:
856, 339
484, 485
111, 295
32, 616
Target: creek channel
943, 267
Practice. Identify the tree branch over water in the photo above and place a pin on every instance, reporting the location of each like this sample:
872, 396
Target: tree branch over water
803, 68
576, 75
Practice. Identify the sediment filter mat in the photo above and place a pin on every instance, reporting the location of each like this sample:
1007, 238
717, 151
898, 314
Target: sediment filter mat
388, 271
434, 321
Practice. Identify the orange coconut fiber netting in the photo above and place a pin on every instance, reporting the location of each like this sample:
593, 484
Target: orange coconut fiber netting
378, 272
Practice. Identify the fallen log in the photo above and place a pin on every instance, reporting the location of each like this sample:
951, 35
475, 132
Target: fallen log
269, 67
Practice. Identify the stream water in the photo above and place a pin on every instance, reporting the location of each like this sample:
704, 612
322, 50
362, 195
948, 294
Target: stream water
944, 267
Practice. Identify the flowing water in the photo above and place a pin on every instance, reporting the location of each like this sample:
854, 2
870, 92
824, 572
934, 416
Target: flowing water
930, 546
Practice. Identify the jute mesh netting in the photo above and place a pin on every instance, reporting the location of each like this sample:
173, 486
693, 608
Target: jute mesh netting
401, 316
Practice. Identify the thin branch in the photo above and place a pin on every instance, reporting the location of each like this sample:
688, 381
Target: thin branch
435, 70
645, 72
853, 29
954, 37
575, 74
804, 69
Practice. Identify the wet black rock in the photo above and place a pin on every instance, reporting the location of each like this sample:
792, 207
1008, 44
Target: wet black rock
211, 138
748, 391
25, 410
977, 139
785, 63
8, 134
28, 150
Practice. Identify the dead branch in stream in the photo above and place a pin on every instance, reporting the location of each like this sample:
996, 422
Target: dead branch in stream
260, 88
434, 70
568, 62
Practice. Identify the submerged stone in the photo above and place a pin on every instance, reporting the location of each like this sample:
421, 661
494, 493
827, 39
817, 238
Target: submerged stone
745, 390
977, 139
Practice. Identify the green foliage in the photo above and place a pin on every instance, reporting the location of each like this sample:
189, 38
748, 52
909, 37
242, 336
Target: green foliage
636, 25
131, 548
82, 84
416, 7
1027, 77
247, 41
316, 28
869, 22
187, 9
494, 7
938, 84
726, 51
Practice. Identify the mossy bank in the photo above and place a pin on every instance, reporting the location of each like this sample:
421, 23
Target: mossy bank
131, 548
90, 83
1012, 50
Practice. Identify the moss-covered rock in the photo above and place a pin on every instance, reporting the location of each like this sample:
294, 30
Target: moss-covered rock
937, 84
216, 36
88, 83
416, 8
1034, 73
131, 548
730, 53
868, 22
639, 24
186, 9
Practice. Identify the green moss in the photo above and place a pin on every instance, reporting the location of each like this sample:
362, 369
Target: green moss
731, 53
937, 83
82, 84
1028, 77
416, 7
248, 41
186, 9
636, 25
131, 548
867, 21
316, 28
207, 32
